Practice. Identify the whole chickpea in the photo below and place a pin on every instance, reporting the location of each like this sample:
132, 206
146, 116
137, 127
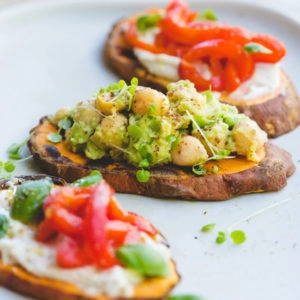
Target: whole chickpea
61, 114
188, 152
112, 130
145, 98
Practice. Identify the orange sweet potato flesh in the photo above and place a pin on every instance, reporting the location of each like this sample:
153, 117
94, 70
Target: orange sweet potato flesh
19, 280
236, 176
277, 112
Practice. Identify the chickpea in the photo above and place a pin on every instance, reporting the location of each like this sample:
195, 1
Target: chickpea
109, 106
112, 130
248, 138
189, 152
61, 114
145, 98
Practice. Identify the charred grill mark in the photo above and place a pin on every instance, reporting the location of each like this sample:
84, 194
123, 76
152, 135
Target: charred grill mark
52, 151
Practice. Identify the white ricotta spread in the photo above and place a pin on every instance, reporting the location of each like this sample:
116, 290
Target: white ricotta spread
265, 79
20, 247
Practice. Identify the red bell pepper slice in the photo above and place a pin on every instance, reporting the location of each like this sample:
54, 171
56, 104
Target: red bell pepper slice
240, 65
277, 49
180, 26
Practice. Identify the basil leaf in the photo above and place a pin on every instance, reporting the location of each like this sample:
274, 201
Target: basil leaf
27, 205
3, 225
144, 259
93, 178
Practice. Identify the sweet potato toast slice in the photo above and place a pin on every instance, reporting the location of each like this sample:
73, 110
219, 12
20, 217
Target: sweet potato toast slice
236, 176
18, 279
276, 113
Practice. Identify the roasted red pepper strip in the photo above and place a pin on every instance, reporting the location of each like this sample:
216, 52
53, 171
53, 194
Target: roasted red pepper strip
224, 51
178, 26
277, 49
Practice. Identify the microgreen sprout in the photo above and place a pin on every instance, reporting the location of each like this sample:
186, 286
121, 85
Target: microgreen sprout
254, 48
208, 14
217, 154
14, 150
148, 21
63, 124
221, 237
208, 227
121, 89
143, 175
6, 168
237, 236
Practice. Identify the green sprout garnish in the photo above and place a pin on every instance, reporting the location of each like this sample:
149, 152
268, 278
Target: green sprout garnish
14, 150
208, 15
6, 168
221, 237
63, 124
208, 227
254, 48
199, 170
148, 21
238, 236
54, 137
143, 175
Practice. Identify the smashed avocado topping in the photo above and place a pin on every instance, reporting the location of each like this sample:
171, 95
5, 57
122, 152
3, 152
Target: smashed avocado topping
147, 128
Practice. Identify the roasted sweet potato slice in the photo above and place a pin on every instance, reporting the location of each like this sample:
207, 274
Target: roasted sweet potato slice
18, 279
236, 176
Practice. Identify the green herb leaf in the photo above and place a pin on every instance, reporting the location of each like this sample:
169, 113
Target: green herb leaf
14, 151
254, 48
208, 227
144, 259
134, 81
54, 137
142, 175
209, 14
148, 21
9, 166
3, 225
28, 200
238, 236
65, 124
221, 237
144, 163
93, 178
199, 170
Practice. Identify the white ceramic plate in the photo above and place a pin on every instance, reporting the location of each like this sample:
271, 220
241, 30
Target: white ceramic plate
50, 56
